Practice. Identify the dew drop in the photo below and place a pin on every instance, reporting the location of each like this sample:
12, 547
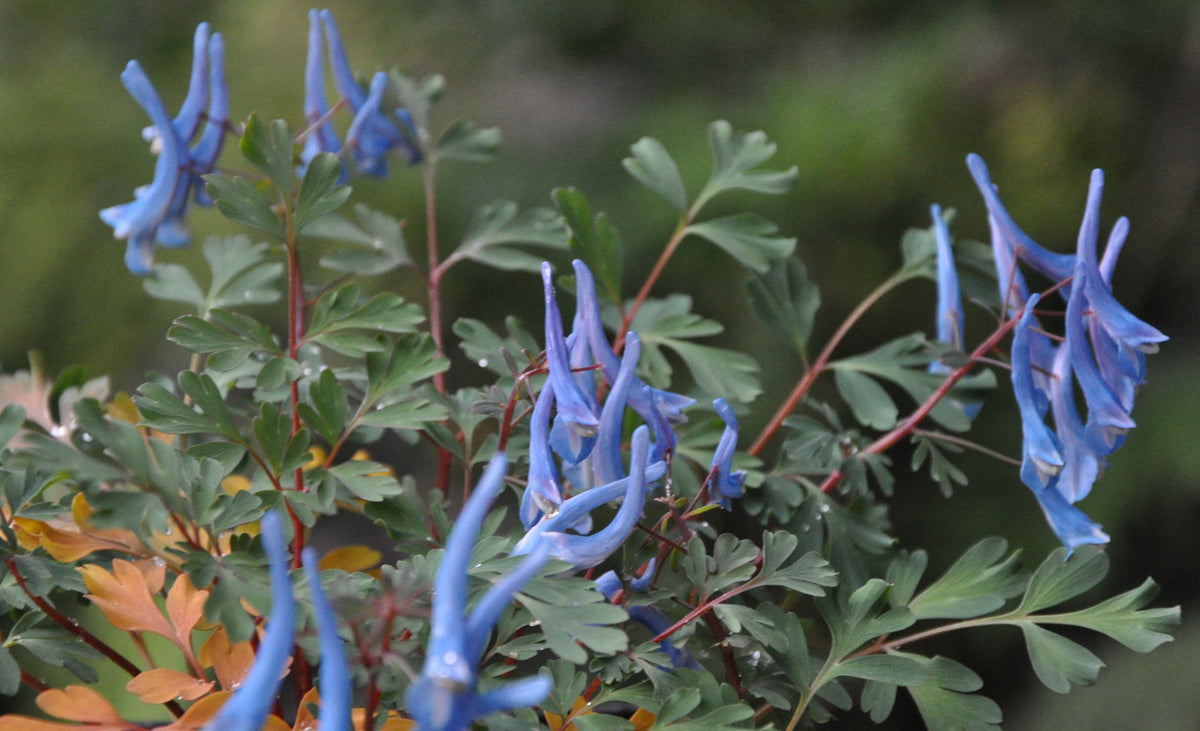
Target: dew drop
247, 294
805, 527
825, 508
59, 431
483, 363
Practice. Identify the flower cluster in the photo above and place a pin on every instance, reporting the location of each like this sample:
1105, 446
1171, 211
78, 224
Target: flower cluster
155, 216
1103, 350
156, 213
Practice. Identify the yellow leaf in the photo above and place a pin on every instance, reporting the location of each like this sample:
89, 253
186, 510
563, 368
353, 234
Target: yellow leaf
230, 662
350, 558
316, 458
163, 684
642, 719
78, 703
124, 596
122, 408
233, 484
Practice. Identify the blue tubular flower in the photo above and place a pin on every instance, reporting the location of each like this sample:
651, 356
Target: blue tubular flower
444, 698
1041, 454
606, 457
1106, 415
1055, 266
542, 490
1068, 522
1083, 454
727, 483
587, 551
336, 687
378, 134
575, 510
188, 120
322, 138
658, 408
204, 155
576, 424
139, 220
247, 709
949, 307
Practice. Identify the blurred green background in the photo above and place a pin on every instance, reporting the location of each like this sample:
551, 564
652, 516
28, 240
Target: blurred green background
877, 103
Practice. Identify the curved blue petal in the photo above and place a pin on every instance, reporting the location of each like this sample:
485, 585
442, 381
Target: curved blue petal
606, 456
336, 687
487, 612
727, 482
247, 708
587, 551
1055, 266
1105, 412
949, 304
322, 138
139, 220
1083, 455
576, 425
1041, 457
1068, 522
542, 490
204, 155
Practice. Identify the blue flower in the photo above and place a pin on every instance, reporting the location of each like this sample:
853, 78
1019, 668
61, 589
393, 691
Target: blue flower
1009, 241
606, 457
543, 493
336, 686
139, 221
585, 551
576, 424
657, 408
727, 483
321, 137
1041, 452
377, 134
156, 213
445, 696
247, 709
949, 304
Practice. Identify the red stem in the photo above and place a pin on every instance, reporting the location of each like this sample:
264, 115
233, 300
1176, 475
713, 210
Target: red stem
76, 629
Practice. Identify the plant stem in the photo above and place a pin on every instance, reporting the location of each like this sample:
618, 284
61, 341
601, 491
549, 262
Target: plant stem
818, 366
433, 284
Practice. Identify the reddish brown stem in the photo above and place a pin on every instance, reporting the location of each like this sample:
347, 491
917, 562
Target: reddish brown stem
76, 629
655, 273
720, 634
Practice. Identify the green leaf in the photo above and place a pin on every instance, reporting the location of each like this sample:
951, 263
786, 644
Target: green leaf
596, 242
173, 283
809, 574
738, 618
270, 148
747, 237
589, 622
496, 225
1060, 577
718, 372
1123, 619
486, 347
411, 414
395, 366
677, 705
378, 244
327, 414
241, 202
943, 701
859, 621
10, 673
653, 167
232, 336
11, 420
979, 582
463, 141
340, 312
277, 372
240, 273
1058, 662
320, 193
870, 403
734, 157
367, 480
786, 300
895, 669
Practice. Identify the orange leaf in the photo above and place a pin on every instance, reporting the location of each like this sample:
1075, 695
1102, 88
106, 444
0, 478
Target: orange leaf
78, 703
305, 720
163, 684
642, 719
350, 558
185, 607
231, 662
203, 710
25, 723
125, 597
